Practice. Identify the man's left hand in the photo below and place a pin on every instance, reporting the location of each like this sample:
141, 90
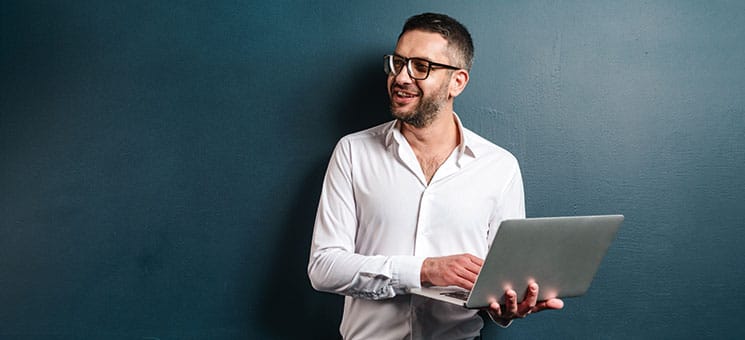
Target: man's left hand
512, 310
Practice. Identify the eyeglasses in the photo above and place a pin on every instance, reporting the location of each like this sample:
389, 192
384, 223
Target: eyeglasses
418, 68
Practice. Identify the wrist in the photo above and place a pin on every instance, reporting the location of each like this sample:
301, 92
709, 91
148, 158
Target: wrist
424, 272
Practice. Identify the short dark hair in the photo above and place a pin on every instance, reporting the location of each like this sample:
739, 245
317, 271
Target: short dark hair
454, 32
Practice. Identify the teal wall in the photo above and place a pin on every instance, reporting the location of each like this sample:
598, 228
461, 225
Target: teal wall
160, 163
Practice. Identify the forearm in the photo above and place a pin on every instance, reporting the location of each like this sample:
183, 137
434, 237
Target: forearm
368, 277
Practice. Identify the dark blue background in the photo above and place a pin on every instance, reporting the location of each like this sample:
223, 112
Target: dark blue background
160, 163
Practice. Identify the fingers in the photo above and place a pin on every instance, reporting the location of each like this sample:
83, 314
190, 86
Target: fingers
456, 270
470, 270
476, 260
549, 304
495, 312
512, 310
503, 314
469, 265
463, 279
530, 300
466, 269
510, 302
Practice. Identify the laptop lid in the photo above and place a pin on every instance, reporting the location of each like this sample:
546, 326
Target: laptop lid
561, 254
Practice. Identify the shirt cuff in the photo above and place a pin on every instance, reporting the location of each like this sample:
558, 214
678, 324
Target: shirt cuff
407, 272
501, 322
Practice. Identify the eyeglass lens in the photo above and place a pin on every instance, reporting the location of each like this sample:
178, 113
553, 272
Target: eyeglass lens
417, 68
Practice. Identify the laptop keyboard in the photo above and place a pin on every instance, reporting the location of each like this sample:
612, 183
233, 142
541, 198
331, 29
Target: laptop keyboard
459, 294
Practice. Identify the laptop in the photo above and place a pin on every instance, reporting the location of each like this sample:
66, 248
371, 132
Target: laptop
561, 254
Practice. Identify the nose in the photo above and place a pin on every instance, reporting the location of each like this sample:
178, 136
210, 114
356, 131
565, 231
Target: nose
403, 76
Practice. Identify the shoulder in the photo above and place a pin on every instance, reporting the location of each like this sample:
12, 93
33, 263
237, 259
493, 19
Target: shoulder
483, 147
374, 135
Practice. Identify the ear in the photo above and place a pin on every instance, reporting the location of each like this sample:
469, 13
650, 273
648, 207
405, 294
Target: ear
458, 82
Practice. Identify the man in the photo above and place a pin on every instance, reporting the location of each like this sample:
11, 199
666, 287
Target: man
416, 201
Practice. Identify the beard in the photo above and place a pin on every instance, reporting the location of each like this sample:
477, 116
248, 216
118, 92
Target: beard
426, 111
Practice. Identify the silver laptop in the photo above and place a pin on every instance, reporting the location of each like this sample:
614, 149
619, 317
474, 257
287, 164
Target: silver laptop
561, 254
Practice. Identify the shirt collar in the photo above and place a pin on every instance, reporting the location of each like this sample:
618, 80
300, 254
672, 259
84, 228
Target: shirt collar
465, 148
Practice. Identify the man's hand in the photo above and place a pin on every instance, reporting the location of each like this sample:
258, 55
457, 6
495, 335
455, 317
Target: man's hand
455, 270
513, 310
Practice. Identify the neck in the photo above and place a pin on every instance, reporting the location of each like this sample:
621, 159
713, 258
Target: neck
441, 133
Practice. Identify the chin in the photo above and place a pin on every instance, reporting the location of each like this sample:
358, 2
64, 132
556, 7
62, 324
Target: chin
404, 115
407, 117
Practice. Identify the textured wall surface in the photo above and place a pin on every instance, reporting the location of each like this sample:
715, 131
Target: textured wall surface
160, 163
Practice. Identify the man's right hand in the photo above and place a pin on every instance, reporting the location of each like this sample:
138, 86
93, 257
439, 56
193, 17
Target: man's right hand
455, 270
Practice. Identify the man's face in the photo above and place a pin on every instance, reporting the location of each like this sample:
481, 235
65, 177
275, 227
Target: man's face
418, 102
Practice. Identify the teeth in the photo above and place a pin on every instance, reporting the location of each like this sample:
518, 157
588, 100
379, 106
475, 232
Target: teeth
403, 94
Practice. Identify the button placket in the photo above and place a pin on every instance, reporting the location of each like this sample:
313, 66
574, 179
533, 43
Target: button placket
424, 224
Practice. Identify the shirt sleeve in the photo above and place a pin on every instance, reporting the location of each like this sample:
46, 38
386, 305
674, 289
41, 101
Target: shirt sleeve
511, 203
501, 322
333, 265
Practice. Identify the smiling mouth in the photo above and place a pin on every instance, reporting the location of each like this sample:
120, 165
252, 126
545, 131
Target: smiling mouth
404, 94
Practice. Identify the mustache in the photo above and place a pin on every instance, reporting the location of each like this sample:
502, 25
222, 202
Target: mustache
409, 89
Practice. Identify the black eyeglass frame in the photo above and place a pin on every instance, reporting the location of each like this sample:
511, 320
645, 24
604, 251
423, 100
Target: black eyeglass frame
392, 70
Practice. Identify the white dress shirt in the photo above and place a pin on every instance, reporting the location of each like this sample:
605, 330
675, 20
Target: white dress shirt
378, 220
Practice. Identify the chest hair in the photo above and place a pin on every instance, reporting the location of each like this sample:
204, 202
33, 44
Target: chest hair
430, 164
